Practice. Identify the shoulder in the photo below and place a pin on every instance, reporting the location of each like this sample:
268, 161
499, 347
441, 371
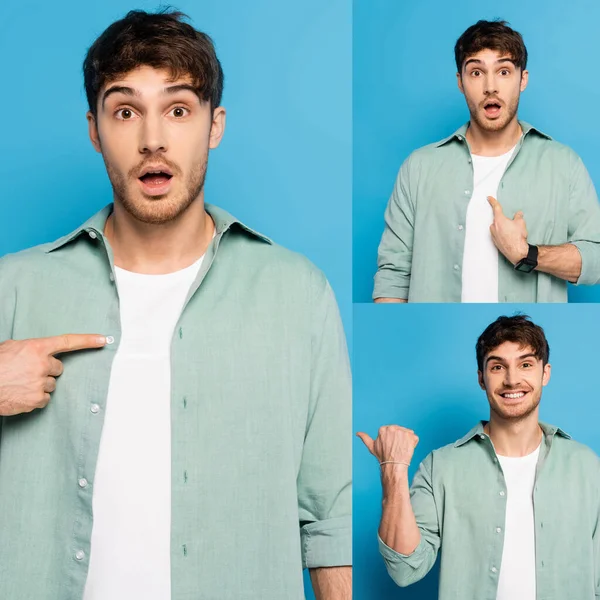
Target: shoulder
24, 261
577, 452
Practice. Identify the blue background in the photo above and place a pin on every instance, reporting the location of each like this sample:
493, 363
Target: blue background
283, 167
405, 94
415, 366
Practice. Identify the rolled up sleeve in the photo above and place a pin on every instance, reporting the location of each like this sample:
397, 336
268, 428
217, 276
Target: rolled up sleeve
394, 257
584, 222
324, 479
406, 569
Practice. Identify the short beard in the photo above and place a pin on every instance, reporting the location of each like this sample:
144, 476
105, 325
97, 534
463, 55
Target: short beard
160, 209
515, 418
498, 124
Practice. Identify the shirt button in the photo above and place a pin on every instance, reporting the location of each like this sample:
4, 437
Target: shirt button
482, 436
460, 227
456, 267
494, 570
110, 339
498, 529
111, 276
467, 192
92, 234
83, 482
80, 555
502, 492
95, 408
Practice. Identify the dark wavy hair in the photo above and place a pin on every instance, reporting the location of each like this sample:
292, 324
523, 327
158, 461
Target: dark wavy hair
519, 329
161, 40
491, 35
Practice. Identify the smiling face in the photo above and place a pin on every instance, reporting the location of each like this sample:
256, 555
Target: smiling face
492, 85
154, 134
513, 378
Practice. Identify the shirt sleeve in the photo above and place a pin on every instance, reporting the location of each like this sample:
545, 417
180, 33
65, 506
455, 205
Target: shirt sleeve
584, 222
7, 302
324, 479
406, 569
394, 256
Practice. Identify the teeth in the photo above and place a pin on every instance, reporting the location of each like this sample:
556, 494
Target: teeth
517, 395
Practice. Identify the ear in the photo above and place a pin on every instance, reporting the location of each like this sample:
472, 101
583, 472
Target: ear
460, 83
481, 381
93, 131
217, 128
546, 376
524, 80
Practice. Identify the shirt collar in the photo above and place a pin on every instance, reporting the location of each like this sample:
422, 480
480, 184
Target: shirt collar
460, 133
223, 221
549, 431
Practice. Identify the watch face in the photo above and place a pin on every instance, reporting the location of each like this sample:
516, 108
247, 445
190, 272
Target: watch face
524, 267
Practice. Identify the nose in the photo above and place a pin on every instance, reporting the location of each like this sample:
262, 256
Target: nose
511, 377
490, 84
152, 136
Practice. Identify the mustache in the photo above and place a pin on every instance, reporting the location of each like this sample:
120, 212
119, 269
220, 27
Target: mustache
152, 160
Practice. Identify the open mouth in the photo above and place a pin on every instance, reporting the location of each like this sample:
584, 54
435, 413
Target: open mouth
513, 395
492, 108
156, 181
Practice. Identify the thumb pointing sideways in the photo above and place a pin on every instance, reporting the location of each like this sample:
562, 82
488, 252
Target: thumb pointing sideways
496, 206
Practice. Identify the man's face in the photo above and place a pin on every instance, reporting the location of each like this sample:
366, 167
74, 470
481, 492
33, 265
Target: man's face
154, 135
513, 379
492, 85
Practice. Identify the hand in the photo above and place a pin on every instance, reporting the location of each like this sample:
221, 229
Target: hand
509, 235
393, 443
28, 369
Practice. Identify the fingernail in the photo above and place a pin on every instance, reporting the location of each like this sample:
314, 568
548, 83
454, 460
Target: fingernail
101, 340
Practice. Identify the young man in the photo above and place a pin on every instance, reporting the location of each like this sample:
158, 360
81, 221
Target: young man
192, 440
514, 505
498, 211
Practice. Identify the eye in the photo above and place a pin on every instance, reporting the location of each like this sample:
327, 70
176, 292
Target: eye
496, 367
505, 72
526, 365
179, 112
476, 73
124, 114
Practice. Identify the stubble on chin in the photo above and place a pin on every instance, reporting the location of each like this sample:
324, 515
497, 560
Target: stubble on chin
497, 124
158, 209
516, 412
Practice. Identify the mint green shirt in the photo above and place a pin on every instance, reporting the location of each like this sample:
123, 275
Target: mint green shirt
421, 251
459, 497
260, 413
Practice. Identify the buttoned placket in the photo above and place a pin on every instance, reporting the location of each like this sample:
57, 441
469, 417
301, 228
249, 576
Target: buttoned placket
498, 528
95, 419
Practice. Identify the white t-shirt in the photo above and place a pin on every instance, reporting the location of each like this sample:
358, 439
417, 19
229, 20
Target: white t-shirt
517, 571
131, 535
480, 257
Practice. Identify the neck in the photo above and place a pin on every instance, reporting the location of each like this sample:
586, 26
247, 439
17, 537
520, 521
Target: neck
514, 437
493, 143
156, 249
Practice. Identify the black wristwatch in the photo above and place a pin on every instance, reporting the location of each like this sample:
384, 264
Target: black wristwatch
530, 262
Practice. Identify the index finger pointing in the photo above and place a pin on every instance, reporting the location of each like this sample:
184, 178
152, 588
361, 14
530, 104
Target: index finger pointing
72, 341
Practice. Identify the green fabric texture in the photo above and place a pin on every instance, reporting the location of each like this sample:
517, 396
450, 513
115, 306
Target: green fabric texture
421, 250
260, 413
459, 497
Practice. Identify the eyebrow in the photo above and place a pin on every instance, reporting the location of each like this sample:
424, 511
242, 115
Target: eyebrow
480, 62
128, 91
500, 359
